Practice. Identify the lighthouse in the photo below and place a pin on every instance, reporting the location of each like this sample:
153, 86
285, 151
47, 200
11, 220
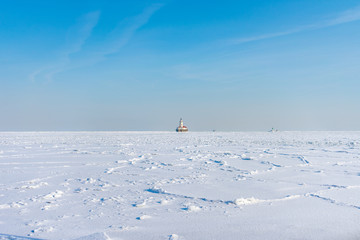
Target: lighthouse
181, 127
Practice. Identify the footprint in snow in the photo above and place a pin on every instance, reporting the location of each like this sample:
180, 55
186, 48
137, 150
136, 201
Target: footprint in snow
143, 217
192, 208
164, 202
174, 237
140, 205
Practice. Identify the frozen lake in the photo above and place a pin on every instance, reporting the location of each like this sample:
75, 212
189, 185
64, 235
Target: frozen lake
167, 185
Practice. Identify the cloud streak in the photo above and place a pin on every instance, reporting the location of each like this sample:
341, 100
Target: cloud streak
75, 39
117, 38
344, 17
125, 30
78, 34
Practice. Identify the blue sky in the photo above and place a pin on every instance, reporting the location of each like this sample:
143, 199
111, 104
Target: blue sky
141, 65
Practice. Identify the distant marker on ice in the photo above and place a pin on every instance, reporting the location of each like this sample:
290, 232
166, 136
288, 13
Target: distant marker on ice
181, 127
273, 130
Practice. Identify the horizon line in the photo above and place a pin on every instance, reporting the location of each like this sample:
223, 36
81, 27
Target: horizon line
168, 131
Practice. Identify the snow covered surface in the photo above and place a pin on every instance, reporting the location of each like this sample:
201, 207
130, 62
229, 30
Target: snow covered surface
165, 185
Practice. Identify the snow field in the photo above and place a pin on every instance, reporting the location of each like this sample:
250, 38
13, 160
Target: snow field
164, 185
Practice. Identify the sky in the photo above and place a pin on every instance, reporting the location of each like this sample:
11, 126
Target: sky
230, 65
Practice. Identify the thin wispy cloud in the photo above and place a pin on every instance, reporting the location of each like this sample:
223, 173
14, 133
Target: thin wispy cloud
205, 73
347, 16
125, 30
344, 17
81, 31
117, 38
75, 39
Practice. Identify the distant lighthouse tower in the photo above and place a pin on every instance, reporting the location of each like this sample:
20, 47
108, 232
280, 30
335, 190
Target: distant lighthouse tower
181, 127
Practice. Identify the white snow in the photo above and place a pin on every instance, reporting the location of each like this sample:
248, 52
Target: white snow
247, 201
167, 185
174, 237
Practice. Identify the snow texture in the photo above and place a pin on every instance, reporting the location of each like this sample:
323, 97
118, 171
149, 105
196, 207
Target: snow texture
165, 185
